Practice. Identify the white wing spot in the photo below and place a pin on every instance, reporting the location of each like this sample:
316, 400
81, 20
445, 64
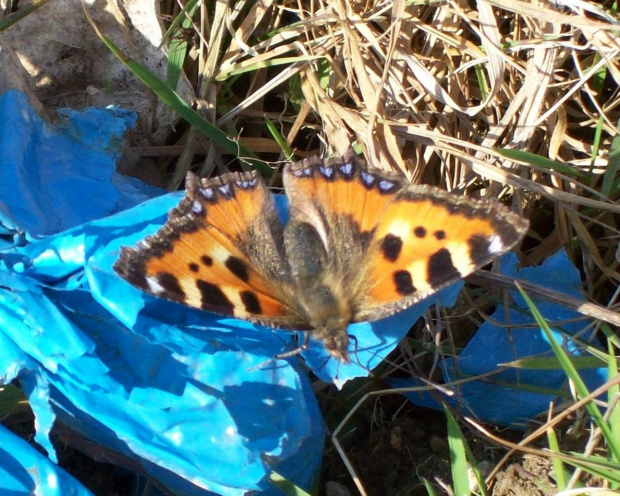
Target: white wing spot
496, 244
400, 229
327, 171
197, 208
207, 193
154, 285
459, 252
367, 178
385, 185
225, 189
220, 254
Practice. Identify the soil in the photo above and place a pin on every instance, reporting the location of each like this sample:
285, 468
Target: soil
393, 445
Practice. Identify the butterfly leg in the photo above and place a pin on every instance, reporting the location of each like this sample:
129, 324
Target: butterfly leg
295, 351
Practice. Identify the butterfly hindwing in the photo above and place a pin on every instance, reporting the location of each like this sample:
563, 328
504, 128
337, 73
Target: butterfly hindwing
219, 251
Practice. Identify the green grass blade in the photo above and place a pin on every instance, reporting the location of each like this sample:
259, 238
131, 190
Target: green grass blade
286, 486
181, 20
238, 69
609, 185
460, 454
22, 12
596, 466
174, 100
610, 335
176, 103
553, 363
430, 490
279, 138
613, 394
537, 160
573, 375
177, 48
558, 465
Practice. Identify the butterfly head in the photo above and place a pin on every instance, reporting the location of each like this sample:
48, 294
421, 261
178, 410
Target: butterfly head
333, 334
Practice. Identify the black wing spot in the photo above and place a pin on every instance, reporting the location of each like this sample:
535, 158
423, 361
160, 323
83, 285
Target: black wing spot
391, 247
440, 234
172, 288
250, 301
206, 260
212, 296
441, 269
193, 267
403, 282
238, 268
420, 232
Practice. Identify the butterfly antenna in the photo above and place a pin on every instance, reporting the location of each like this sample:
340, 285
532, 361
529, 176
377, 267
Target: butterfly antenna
357, 358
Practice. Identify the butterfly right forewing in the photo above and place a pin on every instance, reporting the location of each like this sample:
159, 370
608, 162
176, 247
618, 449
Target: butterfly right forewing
220, 251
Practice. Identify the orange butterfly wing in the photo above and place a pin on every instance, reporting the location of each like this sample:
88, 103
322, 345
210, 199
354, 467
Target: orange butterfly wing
427, 239
218, 251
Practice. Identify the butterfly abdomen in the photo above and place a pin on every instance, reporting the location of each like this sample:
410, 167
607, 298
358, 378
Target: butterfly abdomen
318, 292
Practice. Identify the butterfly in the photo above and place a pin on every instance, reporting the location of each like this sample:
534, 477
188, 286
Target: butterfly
361, 244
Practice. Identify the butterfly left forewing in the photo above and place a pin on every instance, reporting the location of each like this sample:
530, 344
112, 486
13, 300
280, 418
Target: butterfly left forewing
427, 239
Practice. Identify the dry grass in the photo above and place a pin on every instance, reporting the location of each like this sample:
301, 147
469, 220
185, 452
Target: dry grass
432, 89
443, 91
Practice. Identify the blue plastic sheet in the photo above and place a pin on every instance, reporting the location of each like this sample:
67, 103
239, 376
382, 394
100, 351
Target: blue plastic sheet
504, 398
198, 400
24, 471
49, 173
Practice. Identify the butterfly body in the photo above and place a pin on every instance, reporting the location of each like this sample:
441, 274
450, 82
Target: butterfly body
361, 244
